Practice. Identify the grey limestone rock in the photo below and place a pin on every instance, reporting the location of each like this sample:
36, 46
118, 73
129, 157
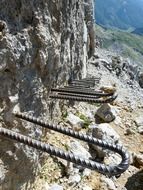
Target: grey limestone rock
106, 113
42, 45
108, 184
55, 187
140, 79
75, 121
106, 133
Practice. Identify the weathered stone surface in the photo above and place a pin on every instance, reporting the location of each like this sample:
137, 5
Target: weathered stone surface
140, 129
108, 89
105, 112
75, 121
86, 188
106, 133
138, 160
74, 179
107, 184
45, 186
140, 79
139, 121
38, 41
78, 150
55, 187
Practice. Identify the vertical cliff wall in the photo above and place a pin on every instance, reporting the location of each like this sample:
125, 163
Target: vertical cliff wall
42, 44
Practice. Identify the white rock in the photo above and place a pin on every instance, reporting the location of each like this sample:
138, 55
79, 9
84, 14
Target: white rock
14, 99
106, 133
140, 129
108, 183
86, 188
86, 172
139, 121
89, 115
118, 121
2, 171
124, 188
45, 186
78, 150
112, 159
74, 179
75, 121
55, 187
106, 113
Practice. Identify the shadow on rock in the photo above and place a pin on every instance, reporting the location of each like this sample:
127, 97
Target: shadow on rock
135, 182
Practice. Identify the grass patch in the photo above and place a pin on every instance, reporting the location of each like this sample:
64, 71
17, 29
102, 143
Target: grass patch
86, 120
125, 43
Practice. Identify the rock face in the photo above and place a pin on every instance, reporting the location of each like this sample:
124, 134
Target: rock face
42, 44
141, 79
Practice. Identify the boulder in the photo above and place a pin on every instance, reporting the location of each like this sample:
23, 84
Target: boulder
106, 113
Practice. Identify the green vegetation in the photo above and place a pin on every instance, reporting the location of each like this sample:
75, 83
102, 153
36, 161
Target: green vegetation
64, 114
125, 43
85, 119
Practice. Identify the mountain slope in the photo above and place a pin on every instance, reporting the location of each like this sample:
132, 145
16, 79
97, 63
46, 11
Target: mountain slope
124, 43
123, 14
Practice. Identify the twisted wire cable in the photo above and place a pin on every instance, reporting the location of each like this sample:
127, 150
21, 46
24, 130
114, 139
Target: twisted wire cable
102, 168
84, 99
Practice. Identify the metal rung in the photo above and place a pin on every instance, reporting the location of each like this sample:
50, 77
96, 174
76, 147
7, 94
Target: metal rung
82, 84
85, 91
52, 150
82, 99
79, 95
86, 80
78, 86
